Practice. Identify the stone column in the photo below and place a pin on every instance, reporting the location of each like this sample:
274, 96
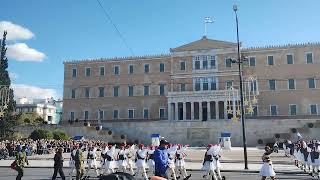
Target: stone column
225, 110
217, 109
184, 109
176, 111
200, 110
192, 110
170, 118
208, 110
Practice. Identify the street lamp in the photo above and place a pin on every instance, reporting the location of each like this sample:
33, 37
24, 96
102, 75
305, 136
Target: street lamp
239, 61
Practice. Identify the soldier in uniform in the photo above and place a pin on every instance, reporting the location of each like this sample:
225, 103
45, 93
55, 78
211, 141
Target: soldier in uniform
141, 162
104, 159
110, 163
122, 159
21, 160
130, 156
180, 163
267, 168
150, 160
79, 163
171, 158
71, 161
209, 164
58, 165
92, 160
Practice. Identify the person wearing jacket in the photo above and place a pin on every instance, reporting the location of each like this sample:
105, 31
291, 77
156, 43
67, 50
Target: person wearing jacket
161, 159
58, 165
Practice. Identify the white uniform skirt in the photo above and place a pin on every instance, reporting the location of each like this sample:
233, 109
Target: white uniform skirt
92, 162
110, 164
141, 163
151, 163
122, 163
171, 163
71, 164
180, 163
309, 162
130, 162
267, 170
209, 165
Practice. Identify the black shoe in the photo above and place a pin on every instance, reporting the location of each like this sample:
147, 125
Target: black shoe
223, 178
204, 176
187, 177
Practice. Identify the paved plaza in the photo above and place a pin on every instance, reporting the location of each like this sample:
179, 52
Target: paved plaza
232, 161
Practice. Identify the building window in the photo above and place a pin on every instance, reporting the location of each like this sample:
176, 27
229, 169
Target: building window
182, 87
145, 113
270, 60
146, 68
130, 90
182, 65
213, 84
115, 114
88, 71
161, 67
71, 116
213, 62
228, 63
101, 91
253, 85
130, 113
293, 109
74, 72
87, 92
197, 65
146, 90
86, 115
101, 114
130, 71
205, 84
291, 84
229, 84
161, 89
309, 58
273, 110
272, 84
252, 61
101, 71
115, 91
197, 84
73, 93
311, 83
204, 62
313, 109
289, 59
161, 113
116, 70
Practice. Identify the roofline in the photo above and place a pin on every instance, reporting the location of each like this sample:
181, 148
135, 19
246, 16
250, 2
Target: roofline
281, 46
125, 58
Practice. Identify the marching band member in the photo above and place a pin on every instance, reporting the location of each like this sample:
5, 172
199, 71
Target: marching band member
141, 155
150, 160
122, 159
267, 168
180, 163
92, 160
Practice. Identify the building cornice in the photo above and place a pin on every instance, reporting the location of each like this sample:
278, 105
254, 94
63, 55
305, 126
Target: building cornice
277, 47
128, 58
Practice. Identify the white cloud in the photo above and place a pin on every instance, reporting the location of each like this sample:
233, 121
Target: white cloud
21, 52
13, 75
33, 92
15, 32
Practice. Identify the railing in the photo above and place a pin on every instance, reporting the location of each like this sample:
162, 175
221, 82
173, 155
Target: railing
202, 92
95, 122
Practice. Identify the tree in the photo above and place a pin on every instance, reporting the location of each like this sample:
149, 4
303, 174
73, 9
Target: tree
7, 120
60, 135
41, 134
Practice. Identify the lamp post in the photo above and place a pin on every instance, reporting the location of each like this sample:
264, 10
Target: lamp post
239, 61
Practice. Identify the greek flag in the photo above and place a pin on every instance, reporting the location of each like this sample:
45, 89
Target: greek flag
208, 20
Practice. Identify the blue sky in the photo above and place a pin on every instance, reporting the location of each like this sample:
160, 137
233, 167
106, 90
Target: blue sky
78, 29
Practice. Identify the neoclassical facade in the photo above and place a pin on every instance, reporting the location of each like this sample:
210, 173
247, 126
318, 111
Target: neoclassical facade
195, 82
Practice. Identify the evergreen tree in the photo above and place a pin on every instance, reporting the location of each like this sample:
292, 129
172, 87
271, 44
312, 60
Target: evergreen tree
7, 120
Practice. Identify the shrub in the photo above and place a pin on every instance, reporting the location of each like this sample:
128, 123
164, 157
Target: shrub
41, 134
60, 135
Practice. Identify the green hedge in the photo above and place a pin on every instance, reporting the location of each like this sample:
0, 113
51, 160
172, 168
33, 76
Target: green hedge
46, 134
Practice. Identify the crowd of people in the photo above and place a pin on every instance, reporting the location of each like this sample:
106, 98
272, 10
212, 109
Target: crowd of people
305, 155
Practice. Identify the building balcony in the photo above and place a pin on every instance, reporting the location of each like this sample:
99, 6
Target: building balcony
207, 95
